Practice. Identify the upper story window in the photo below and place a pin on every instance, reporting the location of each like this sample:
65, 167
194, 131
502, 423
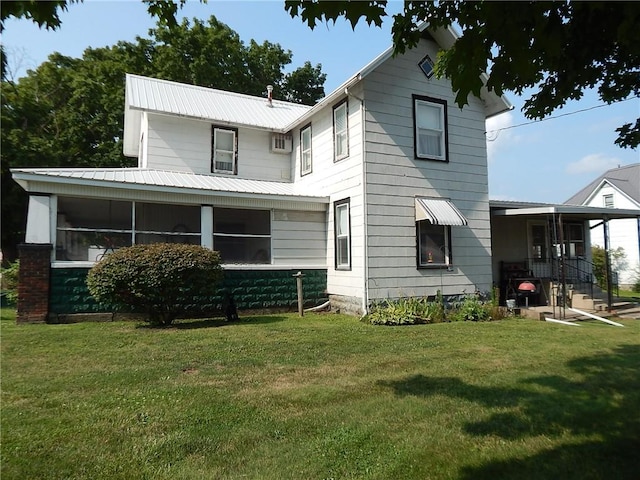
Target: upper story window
430, 128
224, 151
608, 200
426, 65
340, 131
305, 150
342, 235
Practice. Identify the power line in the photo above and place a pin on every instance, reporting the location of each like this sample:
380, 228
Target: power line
498, 130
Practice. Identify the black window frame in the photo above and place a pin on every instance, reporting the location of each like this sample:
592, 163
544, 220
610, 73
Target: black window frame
447, 253
445, 119
213, 149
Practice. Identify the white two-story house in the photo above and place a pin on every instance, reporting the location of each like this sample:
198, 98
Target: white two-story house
378, 191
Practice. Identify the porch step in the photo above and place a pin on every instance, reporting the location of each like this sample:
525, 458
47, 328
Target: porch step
582, 301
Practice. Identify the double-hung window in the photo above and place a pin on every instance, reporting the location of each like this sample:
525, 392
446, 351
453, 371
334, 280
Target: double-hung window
305, 150
224, 150
342, 235
340, 131
430, 128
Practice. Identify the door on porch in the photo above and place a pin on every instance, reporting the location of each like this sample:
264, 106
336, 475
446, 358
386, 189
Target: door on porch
538, 246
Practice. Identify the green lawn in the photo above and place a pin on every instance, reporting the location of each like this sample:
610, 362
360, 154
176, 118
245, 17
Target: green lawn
319, 397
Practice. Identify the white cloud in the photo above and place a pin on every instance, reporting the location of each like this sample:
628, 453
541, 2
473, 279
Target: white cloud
594, 163
497, 138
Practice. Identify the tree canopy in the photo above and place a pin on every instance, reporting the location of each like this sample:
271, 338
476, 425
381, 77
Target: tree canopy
559, 48
69, 112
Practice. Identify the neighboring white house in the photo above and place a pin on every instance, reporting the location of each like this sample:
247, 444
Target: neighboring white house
617, 188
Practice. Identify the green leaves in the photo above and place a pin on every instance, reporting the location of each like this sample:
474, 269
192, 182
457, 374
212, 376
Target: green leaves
313, 11
560, 48
162, 280
69, 112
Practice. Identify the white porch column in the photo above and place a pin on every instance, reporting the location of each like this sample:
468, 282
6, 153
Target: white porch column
38, 220
206, 226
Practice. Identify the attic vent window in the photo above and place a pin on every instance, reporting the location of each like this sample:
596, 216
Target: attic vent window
426, 65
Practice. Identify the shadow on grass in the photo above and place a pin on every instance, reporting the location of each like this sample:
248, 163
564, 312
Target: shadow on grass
603, 407
192, 324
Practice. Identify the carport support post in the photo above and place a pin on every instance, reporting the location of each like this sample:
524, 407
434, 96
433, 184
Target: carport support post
607, 262
298, 276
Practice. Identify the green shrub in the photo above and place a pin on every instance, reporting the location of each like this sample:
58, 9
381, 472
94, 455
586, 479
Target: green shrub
163, 280
405, 311
9, 281
471, 309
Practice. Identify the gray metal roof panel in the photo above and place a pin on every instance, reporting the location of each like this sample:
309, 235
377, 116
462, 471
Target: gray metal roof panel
626, 179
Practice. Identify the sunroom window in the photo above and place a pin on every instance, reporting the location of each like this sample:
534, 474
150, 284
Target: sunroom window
242, 236
88, 229
158, 223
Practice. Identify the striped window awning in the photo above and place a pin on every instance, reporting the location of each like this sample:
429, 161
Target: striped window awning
438, 211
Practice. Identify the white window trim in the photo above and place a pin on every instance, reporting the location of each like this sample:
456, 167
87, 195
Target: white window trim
233, 152
306, 169
343, 106
442, 106
343, 205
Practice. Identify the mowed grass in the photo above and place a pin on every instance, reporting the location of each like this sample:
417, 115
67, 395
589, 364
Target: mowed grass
319, 397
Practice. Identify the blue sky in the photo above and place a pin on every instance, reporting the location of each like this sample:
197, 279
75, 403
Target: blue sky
545, 161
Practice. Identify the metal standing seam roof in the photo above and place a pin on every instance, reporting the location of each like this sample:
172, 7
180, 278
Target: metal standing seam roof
626, 179
151, 94
164, 178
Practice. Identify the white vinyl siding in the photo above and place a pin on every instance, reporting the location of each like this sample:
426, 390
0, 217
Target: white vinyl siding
224, 150
430, 129
394, 178
305, 151
299, 238
340, 131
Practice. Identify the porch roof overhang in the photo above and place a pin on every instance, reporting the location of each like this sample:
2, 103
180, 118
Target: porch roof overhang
140, 180
506, 209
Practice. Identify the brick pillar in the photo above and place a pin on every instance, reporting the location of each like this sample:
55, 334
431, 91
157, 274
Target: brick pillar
33, 282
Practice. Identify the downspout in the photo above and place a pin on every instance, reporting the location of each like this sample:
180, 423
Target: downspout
365, 259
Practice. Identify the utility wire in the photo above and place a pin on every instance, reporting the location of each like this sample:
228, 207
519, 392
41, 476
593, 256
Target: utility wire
498, 130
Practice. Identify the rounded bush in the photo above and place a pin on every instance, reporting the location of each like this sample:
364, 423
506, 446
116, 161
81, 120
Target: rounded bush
164, 280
